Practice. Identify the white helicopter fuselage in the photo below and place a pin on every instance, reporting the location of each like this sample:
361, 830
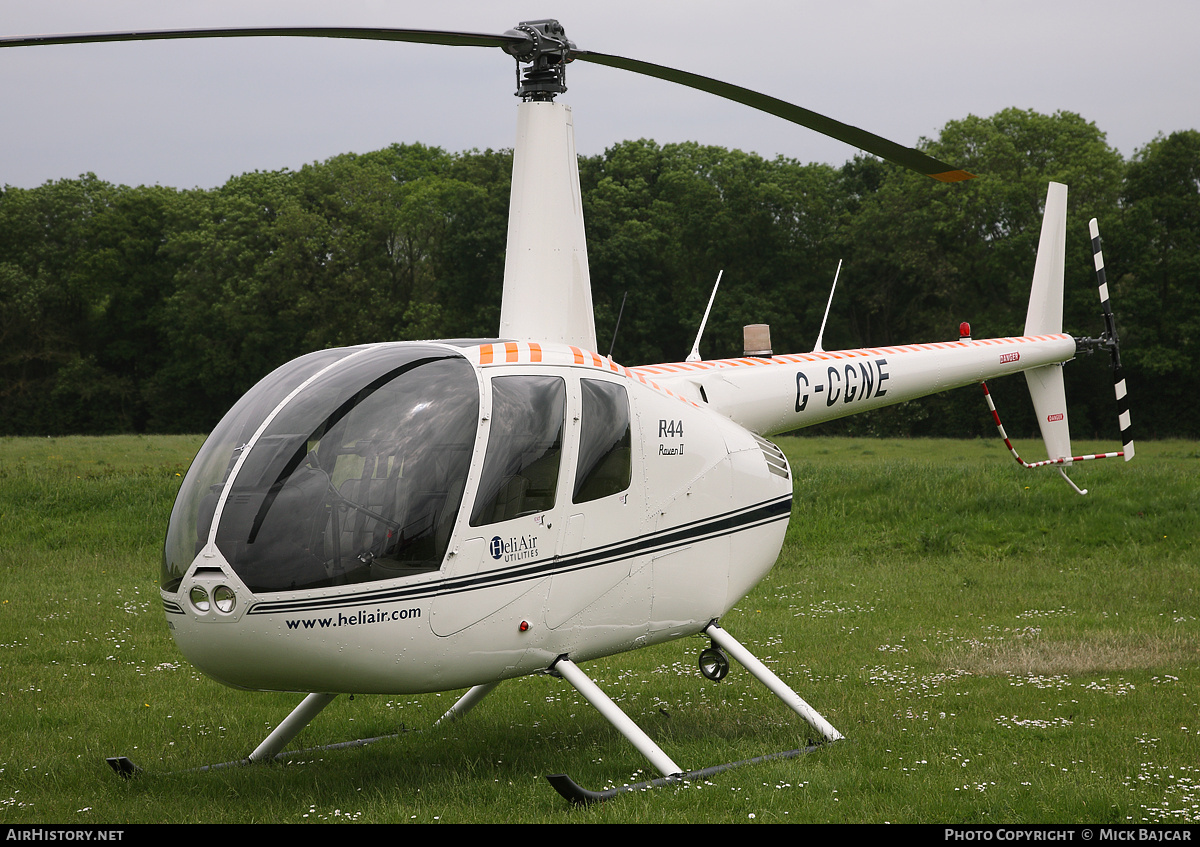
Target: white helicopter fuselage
697, 522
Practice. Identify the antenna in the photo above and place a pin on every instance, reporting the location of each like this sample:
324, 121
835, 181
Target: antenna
824, 320
694, 356
617, 326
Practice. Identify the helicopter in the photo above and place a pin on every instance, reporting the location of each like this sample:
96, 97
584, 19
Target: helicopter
426, 516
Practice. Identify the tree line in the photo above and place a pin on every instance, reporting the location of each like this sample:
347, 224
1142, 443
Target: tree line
152, 309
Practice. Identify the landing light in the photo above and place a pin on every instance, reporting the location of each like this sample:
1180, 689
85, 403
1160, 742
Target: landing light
224, 598
713, 664
199, 598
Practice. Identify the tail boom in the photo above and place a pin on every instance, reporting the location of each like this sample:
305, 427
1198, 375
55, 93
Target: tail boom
789, 392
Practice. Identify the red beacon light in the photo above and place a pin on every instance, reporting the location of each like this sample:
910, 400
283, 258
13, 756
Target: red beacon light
964, 331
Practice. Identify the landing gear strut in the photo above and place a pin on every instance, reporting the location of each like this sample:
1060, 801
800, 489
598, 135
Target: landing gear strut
714, 665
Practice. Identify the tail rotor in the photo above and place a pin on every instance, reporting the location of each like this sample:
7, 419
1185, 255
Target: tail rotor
1109, 340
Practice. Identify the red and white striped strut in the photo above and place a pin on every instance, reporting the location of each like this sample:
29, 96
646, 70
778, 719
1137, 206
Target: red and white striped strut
1065, 460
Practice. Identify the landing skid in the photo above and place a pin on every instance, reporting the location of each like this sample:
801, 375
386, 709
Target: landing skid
270, 749
577, 794
125, 767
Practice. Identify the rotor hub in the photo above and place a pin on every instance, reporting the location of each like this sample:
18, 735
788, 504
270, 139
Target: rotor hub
547, 51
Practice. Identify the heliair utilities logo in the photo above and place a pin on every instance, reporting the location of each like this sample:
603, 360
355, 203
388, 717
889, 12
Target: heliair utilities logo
514, 549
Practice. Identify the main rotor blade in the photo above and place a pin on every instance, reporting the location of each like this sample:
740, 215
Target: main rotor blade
419, 36
867, 141
860, 138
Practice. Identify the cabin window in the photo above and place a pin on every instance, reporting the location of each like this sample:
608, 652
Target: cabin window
357, 477
605, 444
521, 466
191, 517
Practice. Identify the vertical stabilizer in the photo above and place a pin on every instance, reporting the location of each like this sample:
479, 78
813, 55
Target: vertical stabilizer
1045, 318
1050, 404
1046, 298
547, 286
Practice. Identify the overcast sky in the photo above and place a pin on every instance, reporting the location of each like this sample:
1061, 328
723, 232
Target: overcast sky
188, 114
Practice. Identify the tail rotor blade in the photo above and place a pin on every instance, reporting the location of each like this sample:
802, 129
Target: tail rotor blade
1113, 343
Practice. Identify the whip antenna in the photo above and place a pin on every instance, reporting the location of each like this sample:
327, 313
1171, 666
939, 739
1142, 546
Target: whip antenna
620, 312
825, 320
694, 356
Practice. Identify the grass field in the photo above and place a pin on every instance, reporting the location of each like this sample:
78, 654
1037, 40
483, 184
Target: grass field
994, 647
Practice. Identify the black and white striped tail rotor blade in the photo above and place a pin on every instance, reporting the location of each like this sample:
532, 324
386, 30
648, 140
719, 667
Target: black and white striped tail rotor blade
1113, 344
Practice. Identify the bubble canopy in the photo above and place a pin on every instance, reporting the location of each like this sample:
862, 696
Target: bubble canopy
342, 466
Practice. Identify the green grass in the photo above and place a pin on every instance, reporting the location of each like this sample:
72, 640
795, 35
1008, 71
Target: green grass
994, 647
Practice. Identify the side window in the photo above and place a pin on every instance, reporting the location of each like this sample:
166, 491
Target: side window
524, 451
605, 451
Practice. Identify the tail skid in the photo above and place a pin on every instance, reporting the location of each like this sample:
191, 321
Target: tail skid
1064, 460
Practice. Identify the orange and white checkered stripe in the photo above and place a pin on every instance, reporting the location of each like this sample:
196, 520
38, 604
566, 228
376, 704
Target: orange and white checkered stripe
800, 358
533, 353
